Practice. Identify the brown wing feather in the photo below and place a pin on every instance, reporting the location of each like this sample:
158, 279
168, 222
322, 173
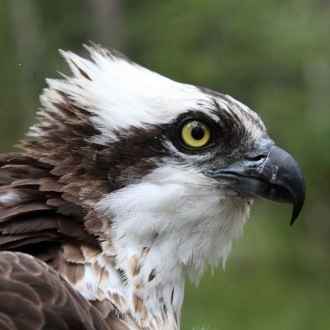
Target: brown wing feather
34, 214
34, 297
40, 214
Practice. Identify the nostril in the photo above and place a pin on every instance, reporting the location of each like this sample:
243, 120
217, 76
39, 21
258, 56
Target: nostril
255, 158
259, 157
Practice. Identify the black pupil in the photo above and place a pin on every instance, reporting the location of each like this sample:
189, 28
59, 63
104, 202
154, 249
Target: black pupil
197, 132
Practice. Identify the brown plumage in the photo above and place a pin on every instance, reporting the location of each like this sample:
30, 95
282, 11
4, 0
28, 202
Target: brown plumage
35, 297
38, 219
42, 220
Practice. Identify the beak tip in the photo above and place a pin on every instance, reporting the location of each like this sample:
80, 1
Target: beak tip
296, 211
293, 219
292, 179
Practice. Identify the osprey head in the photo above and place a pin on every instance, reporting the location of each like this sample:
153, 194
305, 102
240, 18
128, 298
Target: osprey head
179, 164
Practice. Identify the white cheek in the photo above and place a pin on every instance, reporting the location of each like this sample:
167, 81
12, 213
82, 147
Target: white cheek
179, 212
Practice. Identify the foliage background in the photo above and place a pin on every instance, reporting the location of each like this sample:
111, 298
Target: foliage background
273, 55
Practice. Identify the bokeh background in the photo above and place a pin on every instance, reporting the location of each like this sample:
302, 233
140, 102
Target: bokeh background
274, 55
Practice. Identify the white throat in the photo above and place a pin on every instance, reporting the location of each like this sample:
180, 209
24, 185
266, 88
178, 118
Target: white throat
171, 224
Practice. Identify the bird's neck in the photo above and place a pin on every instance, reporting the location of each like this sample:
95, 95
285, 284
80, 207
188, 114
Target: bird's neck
150, 283
151, 275
157, 233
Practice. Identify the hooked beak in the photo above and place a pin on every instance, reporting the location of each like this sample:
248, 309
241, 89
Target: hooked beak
273, 175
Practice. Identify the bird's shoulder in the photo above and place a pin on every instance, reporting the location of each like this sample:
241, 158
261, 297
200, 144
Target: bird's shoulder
31, 288
39, 222
36, 216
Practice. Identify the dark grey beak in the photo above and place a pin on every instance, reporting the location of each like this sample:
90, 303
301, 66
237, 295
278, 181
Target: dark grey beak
273, 175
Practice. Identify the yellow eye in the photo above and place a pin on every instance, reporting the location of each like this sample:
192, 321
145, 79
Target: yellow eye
195, 134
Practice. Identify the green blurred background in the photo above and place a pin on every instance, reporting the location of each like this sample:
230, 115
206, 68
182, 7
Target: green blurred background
274, 55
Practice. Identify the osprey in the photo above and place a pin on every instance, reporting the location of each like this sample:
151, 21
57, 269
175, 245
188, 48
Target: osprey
127, 184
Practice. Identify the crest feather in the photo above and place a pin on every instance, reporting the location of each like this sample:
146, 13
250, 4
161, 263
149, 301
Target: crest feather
118, 93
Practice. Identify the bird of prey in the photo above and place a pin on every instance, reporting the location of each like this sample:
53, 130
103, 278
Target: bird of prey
128, 183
